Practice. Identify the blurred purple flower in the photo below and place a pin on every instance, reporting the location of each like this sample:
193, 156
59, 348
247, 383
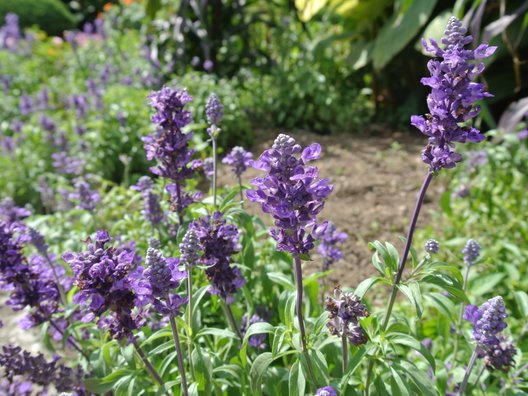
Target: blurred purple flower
239, 159
330, 238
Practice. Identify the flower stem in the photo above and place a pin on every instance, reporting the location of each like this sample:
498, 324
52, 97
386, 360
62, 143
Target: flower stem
231, 318
401, 266
70, 340
179, 204
460, 318
57, 280
241, 194
215, 170
150, 368
189, 317
298, 281
344, 345
469, 368
179, 354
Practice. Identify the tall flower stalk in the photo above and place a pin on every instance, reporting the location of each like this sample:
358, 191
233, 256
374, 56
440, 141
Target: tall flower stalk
214, 111
219, 241
169, 144
155, 286
451, 106
294, 195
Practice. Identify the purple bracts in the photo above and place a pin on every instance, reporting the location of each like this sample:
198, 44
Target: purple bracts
239, 159
330, 237
488, 322
218, 242
453, 94
21, 371
344, 312
190, 249
102, 275
326, 391
291, 192
155, 283
84, 196
29, 284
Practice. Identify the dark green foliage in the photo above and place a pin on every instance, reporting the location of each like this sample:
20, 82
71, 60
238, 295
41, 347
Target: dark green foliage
50, 15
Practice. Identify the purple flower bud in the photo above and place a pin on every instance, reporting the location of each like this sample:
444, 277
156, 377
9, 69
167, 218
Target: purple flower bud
471, 251
214, 110
523, 135
37, 240
84, 196
208, 65
432, 246
330, 238
189, 249
208, 167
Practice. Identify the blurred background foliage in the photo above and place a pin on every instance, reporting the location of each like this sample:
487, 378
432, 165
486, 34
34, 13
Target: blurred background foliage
329, 66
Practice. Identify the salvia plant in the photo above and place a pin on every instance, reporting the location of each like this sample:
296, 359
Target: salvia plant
165, 291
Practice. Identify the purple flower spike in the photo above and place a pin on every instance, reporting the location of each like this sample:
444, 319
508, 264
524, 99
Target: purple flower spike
291, 192
10, 212
326, 391
169, 145
453, 94
471, 251
155, 283
239, 159
214, 110
257, 340
219, 241
84, 196
106, 288
488, 322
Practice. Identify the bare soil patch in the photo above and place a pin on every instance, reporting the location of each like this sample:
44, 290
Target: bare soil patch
376, 180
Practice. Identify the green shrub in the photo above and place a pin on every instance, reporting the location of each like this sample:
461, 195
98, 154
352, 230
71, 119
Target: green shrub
52, 16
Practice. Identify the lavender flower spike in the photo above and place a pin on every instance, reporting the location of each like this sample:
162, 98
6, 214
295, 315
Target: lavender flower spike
291, 192
471, 251
214, 110
453, 95
330, 238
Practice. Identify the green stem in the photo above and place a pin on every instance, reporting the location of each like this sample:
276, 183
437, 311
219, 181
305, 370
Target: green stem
177, 343
344, 346
57, 279
460, 318
231, 319
150, 368
241, 194
215, 170
299, 303
189, 317
401, 266
469, 368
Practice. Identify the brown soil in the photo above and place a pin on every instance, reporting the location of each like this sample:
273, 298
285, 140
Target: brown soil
376, 180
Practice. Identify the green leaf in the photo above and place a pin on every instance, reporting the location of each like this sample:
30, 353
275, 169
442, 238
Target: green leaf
296, 380
353, 364
442, 304
522, 302
258, 328
203, 370
407, 340
224, 333
281, 279
450, 285
401, 28
418, 377
398, 387
258, 369
483, 284
365, 285
413, 293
